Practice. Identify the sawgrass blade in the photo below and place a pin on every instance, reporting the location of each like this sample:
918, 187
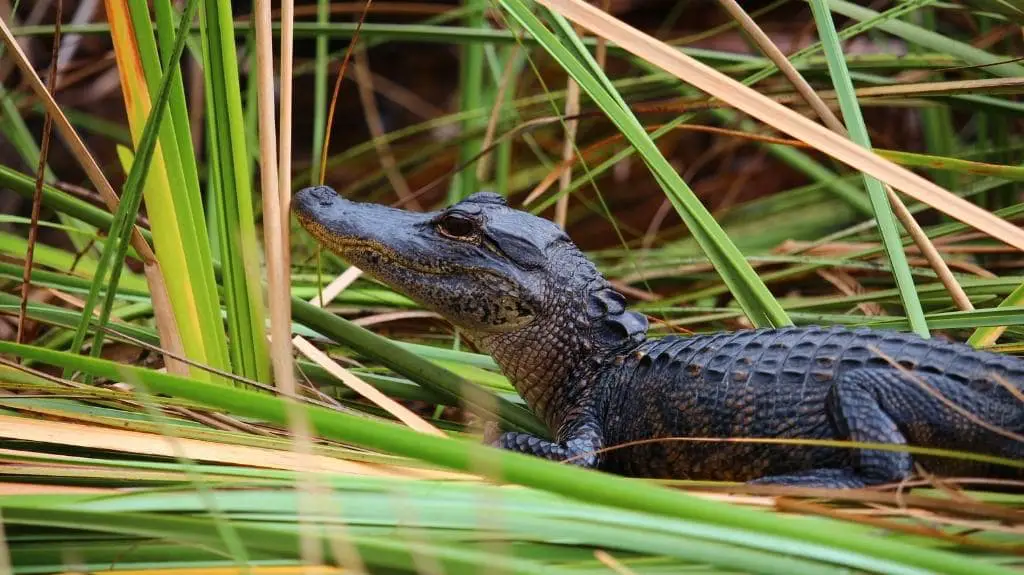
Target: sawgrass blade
800, 537
319, 90
17, 134
884, 217
786, 120
749, 291
526, 516
171, 193
990, 63
437, 379
15, 246
987, 336
58, 200
471, 97
193, 260
764, 68
116, 248
381, 551
230, 196
1008, 8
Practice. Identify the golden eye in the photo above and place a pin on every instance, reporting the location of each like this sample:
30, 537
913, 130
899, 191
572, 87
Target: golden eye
456, 226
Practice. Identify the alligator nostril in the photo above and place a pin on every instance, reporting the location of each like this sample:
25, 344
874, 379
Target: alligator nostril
322, 194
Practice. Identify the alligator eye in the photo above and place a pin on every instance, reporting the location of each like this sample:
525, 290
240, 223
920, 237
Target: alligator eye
457, 227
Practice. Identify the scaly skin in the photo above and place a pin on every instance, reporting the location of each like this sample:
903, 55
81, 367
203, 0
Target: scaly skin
520, 290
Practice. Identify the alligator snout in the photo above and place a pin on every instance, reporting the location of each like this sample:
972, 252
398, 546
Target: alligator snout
323, 205
332, 218
315, 197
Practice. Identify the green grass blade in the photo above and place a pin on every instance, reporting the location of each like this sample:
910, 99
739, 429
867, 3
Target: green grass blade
16, 246
430, 375
59, 200
13, 126
116, 249
1011, 9
321, 62
230, 187
849, 193
801, 536
384, 552
471, 97
884, 217
194, 256
988, 335
173, 200
992, 63
749, 291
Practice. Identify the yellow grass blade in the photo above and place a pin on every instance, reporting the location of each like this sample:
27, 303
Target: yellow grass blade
95, 437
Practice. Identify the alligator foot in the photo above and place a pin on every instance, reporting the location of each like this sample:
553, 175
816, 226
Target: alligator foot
581, 444
578, 451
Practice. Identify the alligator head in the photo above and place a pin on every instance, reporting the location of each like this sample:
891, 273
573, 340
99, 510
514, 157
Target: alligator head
512, 282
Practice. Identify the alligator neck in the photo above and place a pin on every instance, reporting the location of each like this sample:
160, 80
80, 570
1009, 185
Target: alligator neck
582, 326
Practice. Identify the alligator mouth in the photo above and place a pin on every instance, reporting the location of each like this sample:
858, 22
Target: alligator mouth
347, 246
333, 240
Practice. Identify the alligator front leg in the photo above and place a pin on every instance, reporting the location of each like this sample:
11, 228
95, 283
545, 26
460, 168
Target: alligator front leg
578, 443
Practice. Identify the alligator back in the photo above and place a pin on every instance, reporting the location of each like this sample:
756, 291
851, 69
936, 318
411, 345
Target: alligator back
775, 383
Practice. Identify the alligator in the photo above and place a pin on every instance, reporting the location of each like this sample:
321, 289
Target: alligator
673, 407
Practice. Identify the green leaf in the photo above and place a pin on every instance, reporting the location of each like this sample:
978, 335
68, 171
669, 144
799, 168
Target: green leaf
884, 217
230, 192
985, 336
990, 63
116, 249
1009, 8
800, 537
748, 289
471, 97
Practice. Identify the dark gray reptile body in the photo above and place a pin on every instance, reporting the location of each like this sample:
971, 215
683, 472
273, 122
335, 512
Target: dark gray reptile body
779, 383
521, 291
